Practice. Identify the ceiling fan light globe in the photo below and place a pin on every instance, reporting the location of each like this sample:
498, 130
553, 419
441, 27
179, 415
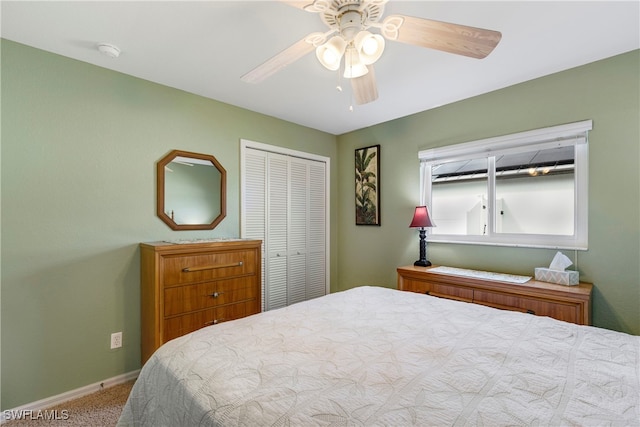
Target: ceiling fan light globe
355, 72
329, 56
353, 66
369, 46
330, 53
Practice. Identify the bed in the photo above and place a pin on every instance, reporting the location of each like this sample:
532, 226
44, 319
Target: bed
373, 356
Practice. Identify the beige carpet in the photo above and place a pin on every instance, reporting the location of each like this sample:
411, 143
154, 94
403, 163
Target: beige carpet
99, 409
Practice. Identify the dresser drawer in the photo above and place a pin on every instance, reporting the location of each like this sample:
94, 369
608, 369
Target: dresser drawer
438, 289
567, 312
504, 302
198, 268
418, 286
182, 299
451, 292
180, 325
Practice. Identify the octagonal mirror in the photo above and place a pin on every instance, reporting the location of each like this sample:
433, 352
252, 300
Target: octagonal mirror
191, 191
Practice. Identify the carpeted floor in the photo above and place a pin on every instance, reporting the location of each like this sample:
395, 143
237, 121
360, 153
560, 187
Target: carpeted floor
99, 409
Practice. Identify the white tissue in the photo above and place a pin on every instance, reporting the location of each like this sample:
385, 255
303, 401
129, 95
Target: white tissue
560, 262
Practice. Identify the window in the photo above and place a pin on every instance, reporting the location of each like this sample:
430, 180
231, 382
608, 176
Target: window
525, 189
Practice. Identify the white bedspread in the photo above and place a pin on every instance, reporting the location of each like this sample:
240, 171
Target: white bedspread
380, 357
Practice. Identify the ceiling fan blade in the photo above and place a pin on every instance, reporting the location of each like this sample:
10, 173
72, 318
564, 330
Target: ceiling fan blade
281, 60
453, 38
364, 88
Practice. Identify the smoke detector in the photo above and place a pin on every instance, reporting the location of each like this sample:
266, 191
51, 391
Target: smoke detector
109, 50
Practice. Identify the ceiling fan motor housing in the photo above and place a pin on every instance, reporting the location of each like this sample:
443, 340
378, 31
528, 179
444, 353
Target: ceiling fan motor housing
348, 16
350, 24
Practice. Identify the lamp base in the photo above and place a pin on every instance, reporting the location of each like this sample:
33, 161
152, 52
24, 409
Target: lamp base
422, 263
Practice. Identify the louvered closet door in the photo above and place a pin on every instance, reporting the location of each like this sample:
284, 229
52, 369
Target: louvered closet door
284, 203
277, 228
298, 227
316, 262
255, 202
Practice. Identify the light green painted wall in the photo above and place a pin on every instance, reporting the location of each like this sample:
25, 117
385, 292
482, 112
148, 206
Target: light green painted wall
79, 147
608, 92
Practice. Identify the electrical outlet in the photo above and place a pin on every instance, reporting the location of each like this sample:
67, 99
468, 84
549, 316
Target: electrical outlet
116, 340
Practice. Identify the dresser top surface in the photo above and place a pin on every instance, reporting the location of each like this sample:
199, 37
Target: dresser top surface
202, 244
581, 288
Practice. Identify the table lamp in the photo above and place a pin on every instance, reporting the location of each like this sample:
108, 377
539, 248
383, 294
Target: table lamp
421, 219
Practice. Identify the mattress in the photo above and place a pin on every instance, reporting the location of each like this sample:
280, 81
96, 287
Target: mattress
373, 356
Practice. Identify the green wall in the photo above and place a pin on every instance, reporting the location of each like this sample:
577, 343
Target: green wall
79, 147
608, 92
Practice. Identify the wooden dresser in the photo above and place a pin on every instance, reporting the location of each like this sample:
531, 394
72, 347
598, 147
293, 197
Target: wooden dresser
187, 286
568, 303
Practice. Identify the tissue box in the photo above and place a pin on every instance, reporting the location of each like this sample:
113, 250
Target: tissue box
567, 277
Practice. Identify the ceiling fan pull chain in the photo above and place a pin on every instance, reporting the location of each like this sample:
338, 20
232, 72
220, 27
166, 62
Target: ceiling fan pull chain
351, 103
350, 99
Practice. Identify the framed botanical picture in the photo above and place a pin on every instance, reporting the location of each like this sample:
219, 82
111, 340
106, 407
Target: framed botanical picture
367, 167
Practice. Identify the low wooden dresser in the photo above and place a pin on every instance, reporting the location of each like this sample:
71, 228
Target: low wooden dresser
186, 286
567, 303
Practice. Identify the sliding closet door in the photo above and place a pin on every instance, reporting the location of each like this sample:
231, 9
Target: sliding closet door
291, 218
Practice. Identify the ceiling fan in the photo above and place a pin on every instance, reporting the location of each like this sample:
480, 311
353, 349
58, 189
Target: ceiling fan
351, 20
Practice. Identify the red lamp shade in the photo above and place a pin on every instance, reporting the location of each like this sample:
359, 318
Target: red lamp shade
421, 218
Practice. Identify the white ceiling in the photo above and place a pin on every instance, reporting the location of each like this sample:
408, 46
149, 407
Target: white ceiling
204, 47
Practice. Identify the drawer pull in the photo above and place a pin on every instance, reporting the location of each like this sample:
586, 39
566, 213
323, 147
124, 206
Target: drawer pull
215, 294
211, 267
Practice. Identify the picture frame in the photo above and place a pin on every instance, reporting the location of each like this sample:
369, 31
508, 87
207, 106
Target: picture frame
367, 185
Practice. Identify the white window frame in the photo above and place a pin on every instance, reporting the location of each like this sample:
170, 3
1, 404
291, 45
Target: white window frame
575, 134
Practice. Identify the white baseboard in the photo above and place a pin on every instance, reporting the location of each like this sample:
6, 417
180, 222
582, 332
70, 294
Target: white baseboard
69, 395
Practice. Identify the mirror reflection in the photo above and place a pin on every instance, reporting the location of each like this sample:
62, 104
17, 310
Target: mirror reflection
191, 191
